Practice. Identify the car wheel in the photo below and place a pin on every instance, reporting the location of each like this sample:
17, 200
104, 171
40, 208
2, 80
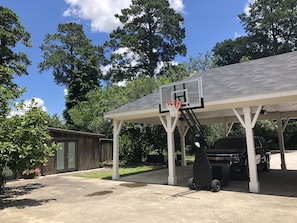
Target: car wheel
192, 185
215, 185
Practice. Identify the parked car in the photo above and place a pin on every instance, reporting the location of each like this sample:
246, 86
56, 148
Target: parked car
233, 151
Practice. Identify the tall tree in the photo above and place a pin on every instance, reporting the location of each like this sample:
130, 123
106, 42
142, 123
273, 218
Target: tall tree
176, 73
13, 32
75, 62
151, 36
232, 51
23, 138
201, 63
8, 92
55, 121
273, 25
88, 115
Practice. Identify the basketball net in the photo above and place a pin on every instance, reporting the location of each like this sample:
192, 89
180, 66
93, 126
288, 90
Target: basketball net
173, 107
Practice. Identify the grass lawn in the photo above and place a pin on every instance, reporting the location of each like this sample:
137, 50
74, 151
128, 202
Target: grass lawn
124, 171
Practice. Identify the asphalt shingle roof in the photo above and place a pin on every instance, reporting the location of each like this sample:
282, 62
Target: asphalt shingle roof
266, 75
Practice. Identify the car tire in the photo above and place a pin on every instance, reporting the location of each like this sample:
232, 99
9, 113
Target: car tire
191, 184
215, 185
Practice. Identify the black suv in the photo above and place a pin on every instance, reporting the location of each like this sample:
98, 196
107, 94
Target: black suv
233, 151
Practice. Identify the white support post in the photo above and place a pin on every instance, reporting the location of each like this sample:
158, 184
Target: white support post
117, 125
171, 158
183, 130
169, 127
227, 127
249, 125
281, 142
239, 117
230, 128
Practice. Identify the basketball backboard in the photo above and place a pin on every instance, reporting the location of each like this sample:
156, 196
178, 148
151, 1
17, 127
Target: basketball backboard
188, 91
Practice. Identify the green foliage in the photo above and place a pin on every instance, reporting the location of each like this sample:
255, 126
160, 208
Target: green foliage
176, 73
75, 62
212, 132
123, 171
268, 130
56, 122
156, 138
135, 143
237, 130
273, 25
23, 138
12, 32
88, 115
142, 86
232, 51
150, 38
290, 134
8, 91
30, 142
201, 63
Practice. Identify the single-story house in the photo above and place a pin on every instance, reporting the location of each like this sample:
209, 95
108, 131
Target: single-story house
79, 151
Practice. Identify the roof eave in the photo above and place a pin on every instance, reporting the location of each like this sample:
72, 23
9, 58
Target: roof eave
132, 114
228, 103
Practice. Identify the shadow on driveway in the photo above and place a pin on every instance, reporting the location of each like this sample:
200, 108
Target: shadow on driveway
273, 182
9, 196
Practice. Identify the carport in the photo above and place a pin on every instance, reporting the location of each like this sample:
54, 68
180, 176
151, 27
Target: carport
246, 92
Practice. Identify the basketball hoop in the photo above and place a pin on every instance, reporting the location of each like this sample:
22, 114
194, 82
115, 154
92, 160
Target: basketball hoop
174, 106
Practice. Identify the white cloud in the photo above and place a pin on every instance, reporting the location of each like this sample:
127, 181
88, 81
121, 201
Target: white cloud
101, 13
105, 68
38, 102
161, 65
132, 57
177, 5
247, 6
65, 91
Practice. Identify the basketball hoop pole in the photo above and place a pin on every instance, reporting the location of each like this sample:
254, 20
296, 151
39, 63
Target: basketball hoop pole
174, 106
170, 125
176, 98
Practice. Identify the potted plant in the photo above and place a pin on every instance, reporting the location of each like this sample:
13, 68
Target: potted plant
31, 173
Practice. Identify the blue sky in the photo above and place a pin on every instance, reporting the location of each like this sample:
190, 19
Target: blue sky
206, 21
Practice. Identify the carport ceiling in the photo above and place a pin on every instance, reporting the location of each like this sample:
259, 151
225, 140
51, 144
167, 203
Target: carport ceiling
270, 82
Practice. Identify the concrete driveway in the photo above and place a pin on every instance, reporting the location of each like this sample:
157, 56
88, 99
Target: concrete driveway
63, 198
